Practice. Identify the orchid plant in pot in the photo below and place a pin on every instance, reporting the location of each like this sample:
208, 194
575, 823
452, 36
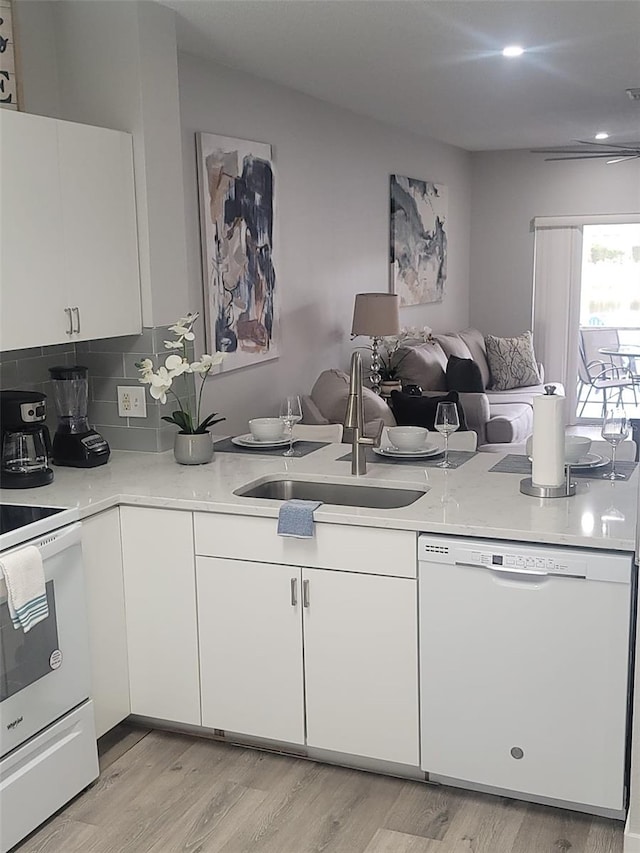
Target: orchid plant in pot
193, 443
391, 360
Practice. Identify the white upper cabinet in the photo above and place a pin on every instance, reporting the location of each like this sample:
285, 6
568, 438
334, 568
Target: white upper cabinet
100, 236
31, 250
68, 239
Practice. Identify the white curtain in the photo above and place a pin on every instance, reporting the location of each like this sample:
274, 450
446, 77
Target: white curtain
556, 302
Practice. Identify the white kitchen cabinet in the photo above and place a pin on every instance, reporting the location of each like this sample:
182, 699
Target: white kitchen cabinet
100, 233
361, 664
353, 634
160, 594
31, 245
68, 243
102, 558
250, 634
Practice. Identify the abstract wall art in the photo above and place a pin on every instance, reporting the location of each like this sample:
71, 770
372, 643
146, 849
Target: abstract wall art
236, 181
418, 244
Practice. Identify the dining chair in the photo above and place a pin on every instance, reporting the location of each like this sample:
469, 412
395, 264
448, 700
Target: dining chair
318, 432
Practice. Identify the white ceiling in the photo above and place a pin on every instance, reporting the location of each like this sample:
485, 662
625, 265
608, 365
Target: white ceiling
435, 67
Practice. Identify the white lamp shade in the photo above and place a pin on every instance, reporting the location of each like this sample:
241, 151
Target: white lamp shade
376, 315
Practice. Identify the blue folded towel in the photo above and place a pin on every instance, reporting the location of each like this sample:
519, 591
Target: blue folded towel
296, 519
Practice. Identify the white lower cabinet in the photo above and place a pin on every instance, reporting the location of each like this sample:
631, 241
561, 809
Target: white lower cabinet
361, 664
249, 617
357, 636
160, 593
102, 557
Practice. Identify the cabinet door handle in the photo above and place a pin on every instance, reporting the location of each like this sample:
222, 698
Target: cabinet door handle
305, 593
67, 311
76, 311
294, 591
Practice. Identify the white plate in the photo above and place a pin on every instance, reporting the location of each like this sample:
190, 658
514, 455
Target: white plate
591, 460
249, 441
429, 450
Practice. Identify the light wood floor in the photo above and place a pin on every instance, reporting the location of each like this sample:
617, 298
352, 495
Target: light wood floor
168, 793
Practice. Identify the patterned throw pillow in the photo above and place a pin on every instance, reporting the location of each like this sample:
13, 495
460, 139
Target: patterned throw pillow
512, 362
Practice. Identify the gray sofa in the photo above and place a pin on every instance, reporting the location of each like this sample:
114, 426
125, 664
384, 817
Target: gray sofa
499, 418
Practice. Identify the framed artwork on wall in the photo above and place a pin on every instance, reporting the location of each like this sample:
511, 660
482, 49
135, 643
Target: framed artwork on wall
237, 203
8, 83
418, 240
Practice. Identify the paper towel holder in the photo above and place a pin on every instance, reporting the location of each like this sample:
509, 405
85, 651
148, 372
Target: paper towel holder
566, 490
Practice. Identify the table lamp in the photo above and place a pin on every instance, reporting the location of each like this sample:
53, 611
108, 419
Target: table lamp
376, 315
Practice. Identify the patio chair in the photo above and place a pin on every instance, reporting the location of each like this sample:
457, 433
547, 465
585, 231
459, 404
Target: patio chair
610, 379
594, 339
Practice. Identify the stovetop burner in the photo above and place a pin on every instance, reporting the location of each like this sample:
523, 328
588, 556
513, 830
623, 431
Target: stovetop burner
14, 516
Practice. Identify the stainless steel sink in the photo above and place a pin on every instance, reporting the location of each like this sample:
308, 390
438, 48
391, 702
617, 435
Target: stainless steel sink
341, 494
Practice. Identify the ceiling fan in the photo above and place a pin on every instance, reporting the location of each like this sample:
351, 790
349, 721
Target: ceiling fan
610, 151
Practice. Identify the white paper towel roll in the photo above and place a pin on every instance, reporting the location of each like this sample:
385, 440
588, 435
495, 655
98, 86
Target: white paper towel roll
548, 440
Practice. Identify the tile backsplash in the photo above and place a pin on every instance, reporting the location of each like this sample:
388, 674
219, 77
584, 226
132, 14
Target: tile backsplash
111, 362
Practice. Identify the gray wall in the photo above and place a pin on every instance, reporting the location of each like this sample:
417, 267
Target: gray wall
510, 188
115, 64
332, 173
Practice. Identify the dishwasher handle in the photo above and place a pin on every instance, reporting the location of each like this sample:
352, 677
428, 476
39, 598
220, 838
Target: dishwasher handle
505, 570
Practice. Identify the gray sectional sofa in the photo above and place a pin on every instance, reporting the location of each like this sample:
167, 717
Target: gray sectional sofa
499, 418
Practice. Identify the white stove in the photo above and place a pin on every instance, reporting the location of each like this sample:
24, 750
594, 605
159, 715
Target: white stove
47, 736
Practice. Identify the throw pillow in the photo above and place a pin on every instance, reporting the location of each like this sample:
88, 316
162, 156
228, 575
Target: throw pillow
421, 411
422, 365
512, 362
463, 374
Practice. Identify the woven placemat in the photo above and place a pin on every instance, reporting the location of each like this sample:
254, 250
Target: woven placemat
514, 463
301, 448
458, 457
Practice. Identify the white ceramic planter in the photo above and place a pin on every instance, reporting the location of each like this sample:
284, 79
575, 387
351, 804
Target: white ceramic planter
196, 449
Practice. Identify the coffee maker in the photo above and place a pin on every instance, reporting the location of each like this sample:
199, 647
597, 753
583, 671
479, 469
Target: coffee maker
75, 443
26, 445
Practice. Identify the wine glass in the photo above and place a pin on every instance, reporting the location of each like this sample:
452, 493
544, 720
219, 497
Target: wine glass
447, 421
615, 428
290, 414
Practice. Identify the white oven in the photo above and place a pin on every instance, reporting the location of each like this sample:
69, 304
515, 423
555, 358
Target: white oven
47, 735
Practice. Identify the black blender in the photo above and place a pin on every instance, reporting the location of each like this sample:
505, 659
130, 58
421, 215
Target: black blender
75, 443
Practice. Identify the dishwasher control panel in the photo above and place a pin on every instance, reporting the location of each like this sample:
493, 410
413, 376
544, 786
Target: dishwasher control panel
500, 556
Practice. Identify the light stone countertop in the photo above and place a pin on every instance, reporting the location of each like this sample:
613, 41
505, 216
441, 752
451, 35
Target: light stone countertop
467, 501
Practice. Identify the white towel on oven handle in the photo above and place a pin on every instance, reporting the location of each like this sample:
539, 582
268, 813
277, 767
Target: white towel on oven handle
26, 593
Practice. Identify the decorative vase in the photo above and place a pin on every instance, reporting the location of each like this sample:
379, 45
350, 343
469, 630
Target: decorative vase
388, 386
193, 448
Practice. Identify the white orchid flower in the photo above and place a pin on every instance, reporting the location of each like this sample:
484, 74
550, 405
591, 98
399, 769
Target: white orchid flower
146, 369
176, 365
207, 362
160, 384
173, 344
179, 330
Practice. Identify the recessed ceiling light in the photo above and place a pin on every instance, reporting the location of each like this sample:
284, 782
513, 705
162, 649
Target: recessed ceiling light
602, 135
513, 50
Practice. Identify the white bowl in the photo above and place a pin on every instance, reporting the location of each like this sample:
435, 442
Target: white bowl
266, 429
408, 437
576, 447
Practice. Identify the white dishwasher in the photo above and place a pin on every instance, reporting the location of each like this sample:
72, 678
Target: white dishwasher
524, 670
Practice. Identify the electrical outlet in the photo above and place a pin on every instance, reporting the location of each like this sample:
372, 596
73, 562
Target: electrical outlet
132, 402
